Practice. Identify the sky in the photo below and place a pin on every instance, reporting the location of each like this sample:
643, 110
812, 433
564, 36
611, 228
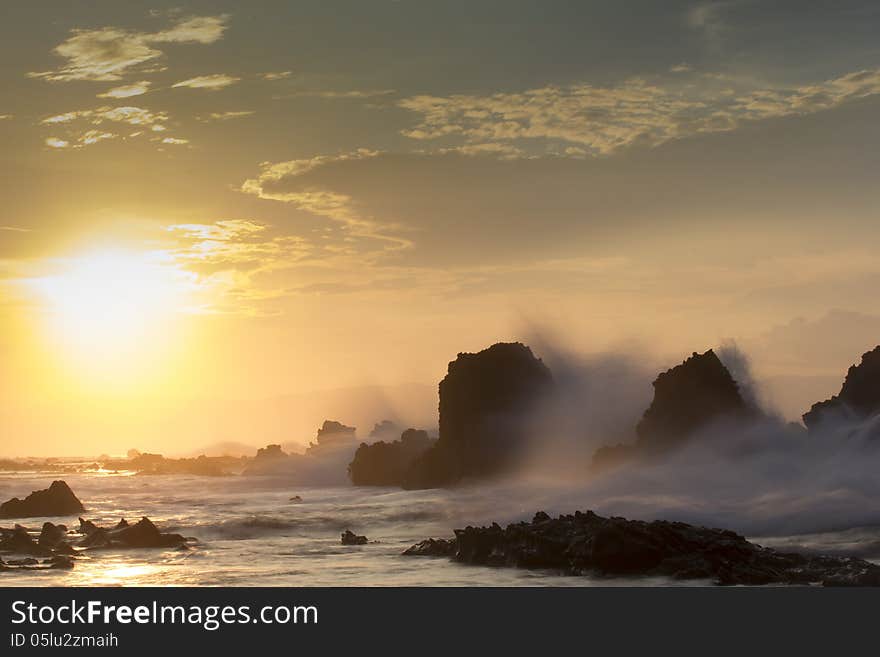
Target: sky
213, 211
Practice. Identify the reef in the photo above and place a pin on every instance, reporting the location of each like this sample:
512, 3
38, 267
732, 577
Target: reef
589, 544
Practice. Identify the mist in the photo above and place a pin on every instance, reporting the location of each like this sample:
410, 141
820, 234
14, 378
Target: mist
766, 478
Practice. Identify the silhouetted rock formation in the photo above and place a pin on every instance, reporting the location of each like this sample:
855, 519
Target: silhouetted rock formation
687, 398
324, 462
331, 437
350, 538
57, 500
386, 464
858, 399
585, 543
485, 399
384, 430
142, 534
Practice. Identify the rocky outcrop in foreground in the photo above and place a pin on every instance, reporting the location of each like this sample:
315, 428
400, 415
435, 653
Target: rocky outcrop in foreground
585, 543
57, 500
858, 399
386, 464
56, 546
687, 398
485, 400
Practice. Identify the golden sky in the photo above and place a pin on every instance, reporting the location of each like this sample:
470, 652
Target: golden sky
211, 211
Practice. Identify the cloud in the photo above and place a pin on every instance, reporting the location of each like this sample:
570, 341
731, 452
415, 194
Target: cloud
127, 114
233, 258
274, 180
174, 141
15, 229
213, 82
352, 93
127, 91
74, 122
108, 53
276, 75
3, 117
225, 116
603, 120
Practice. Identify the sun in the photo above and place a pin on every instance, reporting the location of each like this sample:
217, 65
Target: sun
112, 306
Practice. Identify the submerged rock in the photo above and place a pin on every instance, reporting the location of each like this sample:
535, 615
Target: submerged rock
485, 400
350, 538
586, 543
858, 399
386, 464
57, 500
18, 541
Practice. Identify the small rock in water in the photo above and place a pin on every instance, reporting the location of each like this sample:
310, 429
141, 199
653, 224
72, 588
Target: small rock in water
350, 538
296, 499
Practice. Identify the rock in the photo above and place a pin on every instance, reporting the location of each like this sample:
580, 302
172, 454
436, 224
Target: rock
296, 499
51, 535
28, 561
122, 524
585, 543
384, 430
60, 562
432, 547
57, 500
485, 400
386, 464
858, 399
350, 538
142, 534
145, 534
689, 397
332, 437
87, 527
20, 542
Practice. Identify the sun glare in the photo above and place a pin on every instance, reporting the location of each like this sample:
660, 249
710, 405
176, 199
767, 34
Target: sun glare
106, 305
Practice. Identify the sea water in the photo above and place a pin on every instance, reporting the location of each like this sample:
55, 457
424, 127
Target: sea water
250, 533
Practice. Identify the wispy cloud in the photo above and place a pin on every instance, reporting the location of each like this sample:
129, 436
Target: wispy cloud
274, 182
352, 93
225, 116
276, 75
107, 53
175, 141
3, 117
602, 120
127, 114
77, 134
127, 91
213, 82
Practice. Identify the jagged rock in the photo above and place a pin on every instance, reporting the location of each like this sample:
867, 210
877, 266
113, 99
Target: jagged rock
485, 399
122, 524
433, 547
51, 535
142, 534
57, 500
689, 397
20, 542
87, 527
296, 499
858, 399
350, 538
386, 464
585, 543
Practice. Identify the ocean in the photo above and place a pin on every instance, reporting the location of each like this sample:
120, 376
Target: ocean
251, 534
